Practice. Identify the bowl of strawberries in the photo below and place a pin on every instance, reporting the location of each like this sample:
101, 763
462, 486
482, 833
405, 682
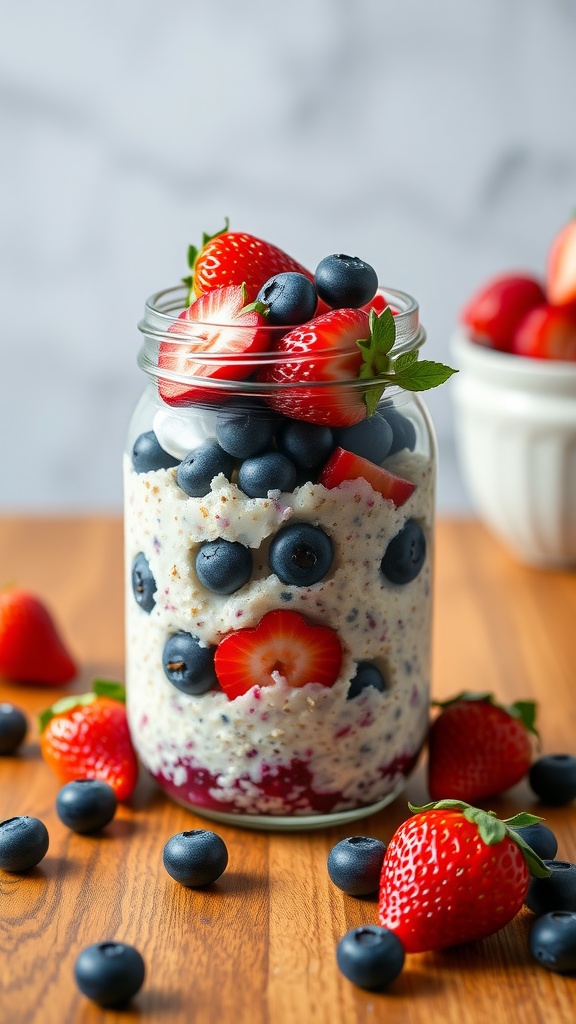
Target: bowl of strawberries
515, 406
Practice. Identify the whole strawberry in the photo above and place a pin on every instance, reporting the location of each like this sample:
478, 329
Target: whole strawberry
31, 648
477, 749
453, 873
86, 736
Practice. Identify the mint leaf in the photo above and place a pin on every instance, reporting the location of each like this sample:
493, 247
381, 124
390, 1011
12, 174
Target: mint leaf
421, 375
382, 331
405, 360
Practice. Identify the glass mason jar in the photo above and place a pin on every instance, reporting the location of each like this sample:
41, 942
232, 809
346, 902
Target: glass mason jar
279, 578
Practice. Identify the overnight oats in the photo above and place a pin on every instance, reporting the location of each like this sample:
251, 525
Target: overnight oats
279, 505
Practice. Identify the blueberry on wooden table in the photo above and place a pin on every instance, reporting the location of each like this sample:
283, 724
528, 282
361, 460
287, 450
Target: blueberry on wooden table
553, 779
86, 805
370, 957
539, 838
345, 281
23, 843
556, 892
13, 728
355, 865
195, 858
109, 973
553, 941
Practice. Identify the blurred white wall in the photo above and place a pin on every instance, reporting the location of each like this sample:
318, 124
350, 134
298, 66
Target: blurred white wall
435, 140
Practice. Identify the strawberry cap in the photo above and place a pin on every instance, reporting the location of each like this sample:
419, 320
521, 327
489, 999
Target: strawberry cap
100, 688
524, 711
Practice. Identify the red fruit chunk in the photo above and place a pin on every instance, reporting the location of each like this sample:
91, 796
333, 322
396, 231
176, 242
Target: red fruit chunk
561, 267
215, 325
478, 749
494, 312
236, 258
343, 465
548, 332
283, 645
31, 648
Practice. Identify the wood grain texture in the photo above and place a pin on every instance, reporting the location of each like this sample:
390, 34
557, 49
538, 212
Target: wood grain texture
258, 947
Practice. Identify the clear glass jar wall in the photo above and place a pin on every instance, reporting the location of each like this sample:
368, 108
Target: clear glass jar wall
278, 610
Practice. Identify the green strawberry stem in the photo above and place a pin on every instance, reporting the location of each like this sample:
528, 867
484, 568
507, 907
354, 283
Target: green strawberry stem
524, 710
493, 830
192, 256
100, 688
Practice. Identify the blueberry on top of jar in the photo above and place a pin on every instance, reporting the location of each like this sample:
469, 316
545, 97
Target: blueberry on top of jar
371, 438
306, 444
345, 281
290, 297
301, 554
245, 427
148, 454
197, 471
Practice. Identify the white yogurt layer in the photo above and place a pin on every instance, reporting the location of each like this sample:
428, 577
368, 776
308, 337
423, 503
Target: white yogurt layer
345, 744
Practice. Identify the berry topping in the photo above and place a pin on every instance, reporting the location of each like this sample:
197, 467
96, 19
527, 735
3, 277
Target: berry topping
495, 310
197, 471
245, 428
283, 646
553, 941
547, 332
301, 554
223, 566
31, 648
86, 805
345, 281
195, 858
13, 728
541, 839
371, 438
290, 299
109, 973
188, 663
143, 583
370, 957
403, 430
405, 554
267, 472
367, 674
148, 455
355, 865
306, 444
557, 891
561, 267
344, 465
553, 779
23, 843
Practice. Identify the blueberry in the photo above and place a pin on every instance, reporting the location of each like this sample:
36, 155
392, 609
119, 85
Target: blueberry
245, 427
195, 858
13, 728
553, 778
197, 471
86, 805
109, 973
267, 472
291, 299
306, 444
367, 674
371, 438
403, 430
355, 865
370, 957
188, 665
557, 892
148, 454
345, 281
223, 566
540, 838
405, 554
143, 583
553, 941
301, 554
23, 843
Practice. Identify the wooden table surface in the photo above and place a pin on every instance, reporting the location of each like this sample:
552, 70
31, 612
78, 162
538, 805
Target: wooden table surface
258, 947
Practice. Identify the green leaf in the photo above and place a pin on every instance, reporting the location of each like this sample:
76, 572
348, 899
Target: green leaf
422, 375
440, 805
192, 255
255, 307
382, 331
189, 282
490, 828
525, 711
63, 705
535, 863
109, 688
465, 695
405, 360
523, 820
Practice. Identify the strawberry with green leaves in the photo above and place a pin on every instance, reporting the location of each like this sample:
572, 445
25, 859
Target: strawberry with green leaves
477, 748
85, 736
453, 873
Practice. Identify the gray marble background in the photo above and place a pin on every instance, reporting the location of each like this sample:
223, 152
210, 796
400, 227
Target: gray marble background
435, 139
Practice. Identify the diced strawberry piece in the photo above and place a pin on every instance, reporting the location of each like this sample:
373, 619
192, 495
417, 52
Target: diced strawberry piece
378, 304
215, 325
236, 258
31, 648
548, 332
343, 465
282, 646
494, 312
561, 267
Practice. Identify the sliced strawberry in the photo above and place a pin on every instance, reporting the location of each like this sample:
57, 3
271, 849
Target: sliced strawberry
495, 310
282, 646
343, 465
31, 648
548, 332
561, 267
215, 325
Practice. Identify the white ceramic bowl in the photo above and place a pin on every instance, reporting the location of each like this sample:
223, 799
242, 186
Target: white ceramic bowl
515, 426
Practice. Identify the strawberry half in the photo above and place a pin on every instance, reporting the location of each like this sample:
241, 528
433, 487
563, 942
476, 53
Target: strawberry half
31, 648
343, 465
86, 737
282, 645
217, 326
547, 332
477, 749
493, 313
561, 267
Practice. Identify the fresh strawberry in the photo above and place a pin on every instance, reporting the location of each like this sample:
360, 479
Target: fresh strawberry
453, 873
86, 737
478, 749
547, 332
561, 267
343, 465
31, 648
217, 326
282, 646
494, 312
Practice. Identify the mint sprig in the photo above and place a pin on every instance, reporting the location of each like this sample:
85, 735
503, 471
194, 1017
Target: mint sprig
405, 370
192, 255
